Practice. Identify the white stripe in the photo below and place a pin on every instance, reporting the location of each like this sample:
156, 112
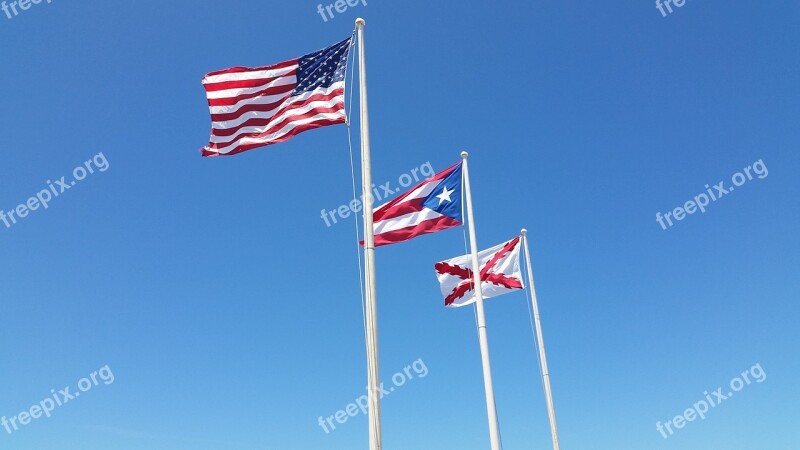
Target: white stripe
277, 119
422, 191
267, 99
404, 221
235, 123
260, 100
235, 92
249, 75
278, 134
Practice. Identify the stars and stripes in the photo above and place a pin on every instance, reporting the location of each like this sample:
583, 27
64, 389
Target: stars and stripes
431, 206
500, 274
254, 107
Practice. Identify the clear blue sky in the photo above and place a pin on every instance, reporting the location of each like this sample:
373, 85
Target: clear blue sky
230, 314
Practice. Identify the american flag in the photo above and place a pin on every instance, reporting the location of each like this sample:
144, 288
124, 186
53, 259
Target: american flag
254, 107
500, 274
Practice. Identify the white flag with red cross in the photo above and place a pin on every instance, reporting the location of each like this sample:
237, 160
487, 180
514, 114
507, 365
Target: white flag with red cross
500, 274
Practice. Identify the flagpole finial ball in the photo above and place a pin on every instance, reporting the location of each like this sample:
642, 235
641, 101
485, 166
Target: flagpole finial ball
464, 155
360, 22
524, 231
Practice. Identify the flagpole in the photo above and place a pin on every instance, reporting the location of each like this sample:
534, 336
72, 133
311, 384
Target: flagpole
371, 308
494, 429
551, 412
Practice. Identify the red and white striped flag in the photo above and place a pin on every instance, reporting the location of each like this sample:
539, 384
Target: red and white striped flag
500, 274
431, 206
254, 107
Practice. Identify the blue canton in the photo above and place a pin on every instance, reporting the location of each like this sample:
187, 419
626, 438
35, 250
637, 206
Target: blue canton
322, 68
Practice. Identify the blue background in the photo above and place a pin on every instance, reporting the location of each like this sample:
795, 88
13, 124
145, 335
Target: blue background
230, 314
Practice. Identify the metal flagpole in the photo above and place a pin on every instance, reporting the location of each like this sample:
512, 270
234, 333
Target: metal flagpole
494, 429
371, 313
545, 374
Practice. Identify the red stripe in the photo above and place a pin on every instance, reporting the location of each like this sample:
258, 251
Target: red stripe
277, 120
391, 209
292, 133
424, 227
271, 106
239, 84
398, 210
266, 107
271, 90
275, 127
240, 69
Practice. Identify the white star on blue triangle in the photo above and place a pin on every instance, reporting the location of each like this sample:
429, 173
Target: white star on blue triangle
446, 196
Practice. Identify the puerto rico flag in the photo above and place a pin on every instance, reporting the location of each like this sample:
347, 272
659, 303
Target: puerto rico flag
431, 206
500, 274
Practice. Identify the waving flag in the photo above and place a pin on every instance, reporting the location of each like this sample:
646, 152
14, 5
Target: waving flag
254, 107
500, 274
431, 206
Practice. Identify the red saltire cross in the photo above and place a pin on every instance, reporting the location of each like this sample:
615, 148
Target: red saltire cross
466, 274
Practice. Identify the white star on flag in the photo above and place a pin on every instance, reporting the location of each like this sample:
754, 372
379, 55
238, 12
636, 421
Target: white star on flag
445, 195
